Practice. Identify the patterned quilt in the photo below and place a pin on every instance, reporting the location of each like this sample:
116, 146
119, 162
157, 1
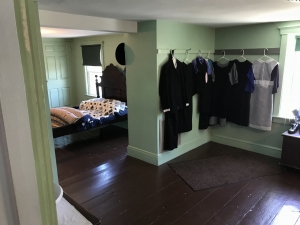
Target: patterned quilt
90, 113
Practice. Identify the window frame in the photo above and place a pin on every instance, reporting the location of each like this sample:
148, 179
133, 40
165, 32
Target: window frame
89, 80
87, 85
289, 35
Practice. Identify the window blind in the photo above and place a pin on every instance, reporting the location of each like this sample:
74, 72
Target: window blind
91, 55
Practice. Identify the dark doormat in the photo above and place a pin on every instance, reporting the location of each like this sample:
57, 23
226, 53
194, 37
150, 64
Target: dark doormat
221, 170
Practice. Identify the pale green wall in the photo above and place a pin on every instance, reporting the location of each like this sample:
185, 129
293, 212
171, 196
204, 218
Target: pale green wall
174, 35
142, 95
110, 44
247, 37
183, 36
143, 70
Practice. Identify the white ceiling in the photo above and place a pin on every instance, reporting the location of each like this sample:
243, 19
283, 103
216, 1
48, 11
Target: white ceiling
214, 13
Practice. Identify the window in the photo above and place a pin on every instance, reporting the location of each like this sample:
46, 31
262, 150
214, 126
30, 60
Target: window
90, 72
91, 57
290, 96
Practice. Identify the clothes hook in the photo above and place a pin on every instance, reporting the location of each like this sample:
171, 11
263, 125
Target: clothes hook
199, 53
265, 51
172, 52
243, 52
223, 53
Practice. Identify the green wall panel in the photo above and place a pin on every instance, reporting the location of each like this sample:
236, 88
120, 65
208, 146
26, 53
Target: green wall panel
265, 35
174, 35
142, 94
143, 71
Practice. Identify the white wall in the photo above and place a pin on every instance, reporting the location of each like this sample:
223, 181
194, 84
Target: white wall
15, 135
8, 208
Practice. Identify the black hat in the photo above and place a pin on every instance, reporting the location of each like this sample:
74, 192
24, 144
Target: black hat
120, 54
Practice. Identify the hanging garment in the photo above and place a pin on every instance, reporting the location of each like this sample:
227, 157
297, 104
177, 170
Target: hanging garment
211, 67
171, 130
208, 66
203, 89
220, 91
186, 114
173, 97
240, 93
266, 83
172, 87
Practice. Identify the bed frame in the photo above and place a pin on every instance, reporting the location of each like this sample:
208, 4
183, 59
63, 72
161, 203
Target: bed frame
113, 85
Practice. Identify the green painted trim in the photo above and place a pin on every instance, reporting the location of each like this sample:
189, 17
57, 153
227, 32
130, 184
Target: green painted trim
281, 120
30, 43
247, 145
142, 155
297, 48
289, 29
282, 56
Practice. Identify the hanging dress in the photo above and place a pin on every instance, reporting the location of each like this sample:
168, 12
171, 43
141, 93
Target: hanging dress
203, 89
240, 93
220, 91
266, 84
186, 114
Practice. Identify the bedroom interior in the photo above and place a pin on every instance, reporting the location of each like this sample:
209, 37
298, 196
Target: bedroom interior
266, 143
155, 38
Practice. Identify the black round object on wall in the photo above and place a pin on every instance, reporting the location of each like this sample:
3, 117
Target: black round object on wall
120, 54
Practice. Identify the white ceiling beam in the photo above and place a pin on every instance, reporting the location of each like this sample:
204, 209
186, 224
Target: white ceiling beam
80, 22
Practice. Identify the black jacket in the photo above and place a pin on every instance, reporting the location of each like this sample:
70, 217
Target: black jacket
172, 89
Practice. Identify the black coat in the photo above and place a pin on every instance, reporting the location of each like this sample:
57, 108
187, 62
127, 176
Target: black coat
172, 89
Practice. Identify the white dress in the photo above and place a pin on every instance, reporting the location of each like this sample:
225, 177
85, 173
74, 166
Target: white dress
266, 83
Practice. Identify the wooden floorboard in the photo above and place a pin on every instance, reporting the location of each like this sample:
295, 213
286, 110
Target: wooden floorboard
238, 207
266, 209
97, 173
207, 208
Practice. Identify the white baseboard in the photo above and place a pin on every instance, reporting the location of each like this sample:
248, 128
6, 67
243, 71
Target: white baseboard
247, 145
165, 156
142, 155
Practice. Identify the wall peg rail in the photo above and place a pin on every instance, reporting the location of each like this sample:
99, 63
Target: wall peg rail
253, 51
183, 51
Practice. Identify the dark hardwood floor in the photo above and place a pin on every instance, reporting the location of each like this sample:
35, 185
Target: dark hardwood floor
97, 173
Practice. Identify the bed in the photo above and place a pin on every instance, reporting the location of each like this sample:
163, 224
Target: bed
94, 113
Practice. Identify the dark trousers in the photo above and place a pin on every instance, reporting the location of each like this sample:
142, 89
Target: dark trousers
185, 119
171, 129
203, 121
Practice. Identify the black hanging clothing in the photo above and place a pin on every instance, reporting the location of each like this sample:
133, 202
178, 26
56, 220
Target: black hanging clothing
172, 86
203, 89
173, 97
171, 130
239, 104
186, 114
220, 92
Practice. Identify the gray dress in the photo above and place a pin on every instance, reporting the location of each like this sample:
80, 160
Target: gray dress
265, 85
